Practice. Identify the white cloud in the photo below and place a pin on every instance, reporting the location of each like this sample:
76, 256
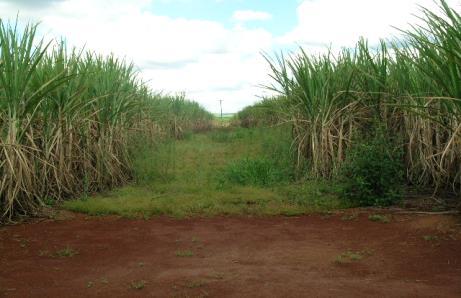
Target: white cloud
202, 58
250, 15
339, 23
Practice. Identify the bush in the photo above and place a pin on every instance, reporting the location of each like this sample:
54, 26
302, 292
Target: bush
373, 172
264, 113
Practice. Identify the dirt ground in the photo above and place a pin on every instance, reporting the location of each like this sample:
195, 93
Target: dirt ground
310, 256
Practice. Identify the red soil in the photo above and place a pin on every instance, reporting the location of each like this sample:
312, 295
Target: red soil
246, 257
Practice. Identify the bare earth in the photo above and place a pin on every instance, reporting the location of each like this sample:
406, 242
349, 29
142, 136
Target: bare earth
233, 257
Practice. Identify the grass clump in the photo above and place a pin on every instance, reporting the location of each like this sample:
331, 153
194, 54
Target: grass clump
348, 257
184, 253
352, 256
379, 218
349, 217
272, 166
430, 237
254, 171
66, 252
138, 285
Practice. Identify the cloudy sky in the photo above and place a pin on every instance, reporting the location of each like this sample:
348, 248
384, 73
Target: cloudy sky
211, 49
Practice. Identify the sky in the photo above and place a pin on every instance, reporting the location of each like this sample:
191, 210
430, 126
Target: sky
212, 49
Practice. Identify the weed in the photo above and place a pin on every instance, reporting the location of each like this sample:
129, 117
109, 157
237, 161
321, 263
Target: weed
48, 201
44, 253
430, 237
218, 276
379, 218
138, 285
66, 252
253, 171
24, 243
184, 253
349, 257
351, 216
89, 284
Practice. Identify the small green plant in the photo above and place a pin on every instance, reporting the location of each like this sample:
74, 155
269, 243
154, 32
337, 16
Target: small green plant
48, 201
217, 276
430, 237
351, 216
379, 218
138, 285
184, 253
349, 257
24, 243
66, 252
44, 253
373, 171
352, 256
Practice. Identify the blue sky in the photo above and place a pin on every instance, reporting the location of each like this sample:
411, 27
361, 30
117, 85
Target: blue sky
211, 49
283, 12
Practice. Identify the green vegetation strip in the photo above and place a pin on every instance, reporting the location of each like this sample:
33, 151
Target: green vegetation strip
200, 176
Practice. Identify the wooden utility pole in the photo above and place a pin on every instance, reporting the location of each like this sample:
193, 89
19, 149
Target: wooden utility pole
220, 104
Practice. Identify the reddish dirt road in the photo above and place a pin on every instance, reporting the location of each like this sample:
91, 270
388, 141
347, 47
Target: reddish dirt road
227, 257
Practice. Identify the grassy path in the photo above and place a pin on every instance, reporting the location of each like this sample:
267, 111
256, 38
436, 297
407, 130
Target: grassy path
210, 174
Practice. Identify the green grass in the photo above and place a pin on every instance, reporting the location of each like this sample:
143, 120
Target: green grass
184, 253
188, 179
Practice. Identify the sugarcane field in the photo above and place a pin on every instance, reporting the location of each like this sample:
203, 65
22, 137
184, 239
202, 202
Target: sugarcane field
303, 148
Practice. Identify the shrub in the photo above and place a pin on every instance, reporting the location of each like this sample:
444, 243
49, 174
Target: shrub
267, 112
373, 172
